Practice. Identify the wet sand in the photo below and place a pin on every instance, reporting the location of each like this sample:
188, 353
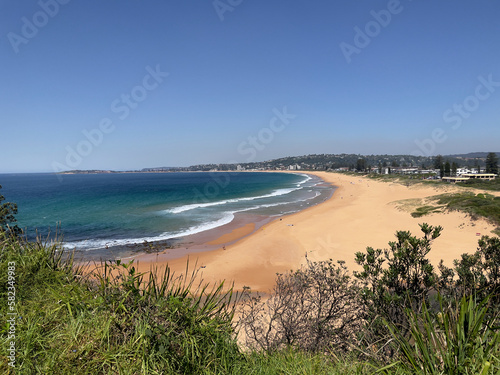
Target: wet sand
362, 212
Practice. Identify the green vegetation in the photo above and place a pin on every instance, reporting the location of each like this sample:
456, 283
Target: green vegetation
398, 314
425, 210
485, 185
7, 218
480, 205
116, 321
406, 180
476, 205
322, 162
456, 340
121, 322
492, 163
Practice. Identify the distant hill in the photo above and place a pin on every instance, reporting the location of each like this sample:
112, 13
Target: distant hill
158, 169
473, 155
336, 161
327, 162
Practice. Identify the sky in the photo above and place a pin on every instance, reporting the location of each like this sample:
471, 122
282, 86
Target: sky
159, 83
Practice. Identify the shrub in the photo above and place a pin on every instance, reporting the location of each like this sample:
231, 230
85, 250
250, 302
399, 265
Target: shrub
394, 279
312, 309
479, 273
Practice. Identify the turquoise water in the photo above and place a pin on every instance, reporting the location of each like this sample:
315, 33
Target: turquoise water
97, 211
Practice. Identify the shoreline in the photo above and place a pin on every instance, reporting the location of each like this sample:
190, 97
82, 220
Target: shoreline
361, 212
243, 225
208, 239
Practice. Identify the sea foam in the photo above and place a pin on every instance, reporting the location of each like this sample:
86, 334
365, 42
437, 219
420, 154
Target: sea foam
194, 206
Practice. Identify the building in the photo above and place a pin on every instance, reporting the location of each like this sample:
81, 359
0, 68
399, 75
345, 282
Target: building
471, 176
480, 176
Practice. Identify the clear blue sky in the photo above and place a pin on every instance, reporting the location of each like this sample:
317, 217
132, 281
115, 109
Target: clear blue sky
70, 67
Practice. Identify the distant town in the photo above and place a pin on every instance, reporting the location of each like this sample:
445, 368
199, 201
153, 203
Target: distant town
461, 167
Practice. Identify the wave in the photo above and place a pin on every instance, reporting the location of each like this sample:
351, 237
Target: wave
103, 243
194, 206
317, 193
307, 178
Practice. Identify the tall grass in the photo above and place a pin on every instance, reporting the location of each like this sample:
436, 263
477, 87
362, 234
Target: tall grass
461, 339
117, 321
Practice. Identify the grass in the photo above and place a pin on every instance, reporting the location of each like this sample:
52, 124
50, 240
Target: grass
460, 339
119, 321
296, 362
426, 210
476, 205
481, 205
407, 180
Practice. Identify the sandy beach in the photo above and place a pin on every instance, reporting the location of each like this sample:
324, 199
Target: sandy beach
362, 212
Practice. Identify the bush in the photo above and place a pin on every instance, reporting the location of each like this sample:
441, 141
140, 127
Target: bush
394, 279
7, 218
479, 273
314, 309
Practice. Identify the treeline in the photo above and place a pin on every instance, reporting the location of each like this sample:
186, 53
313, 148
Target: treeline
335, 161
449, 169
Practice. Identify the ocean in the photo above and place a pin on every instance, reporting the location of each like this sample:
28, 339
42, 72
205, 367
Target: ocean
99, 213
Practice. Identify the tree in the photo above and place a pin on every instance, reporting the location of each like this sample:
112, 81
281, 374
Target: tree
438, 162
447, 169
492, 163
454, 168
361, 165
7, 212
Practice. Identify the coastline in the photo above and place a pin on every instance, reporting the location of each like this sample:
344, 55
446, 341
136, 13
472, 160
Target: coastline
183, 211
361, 212
242, 226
